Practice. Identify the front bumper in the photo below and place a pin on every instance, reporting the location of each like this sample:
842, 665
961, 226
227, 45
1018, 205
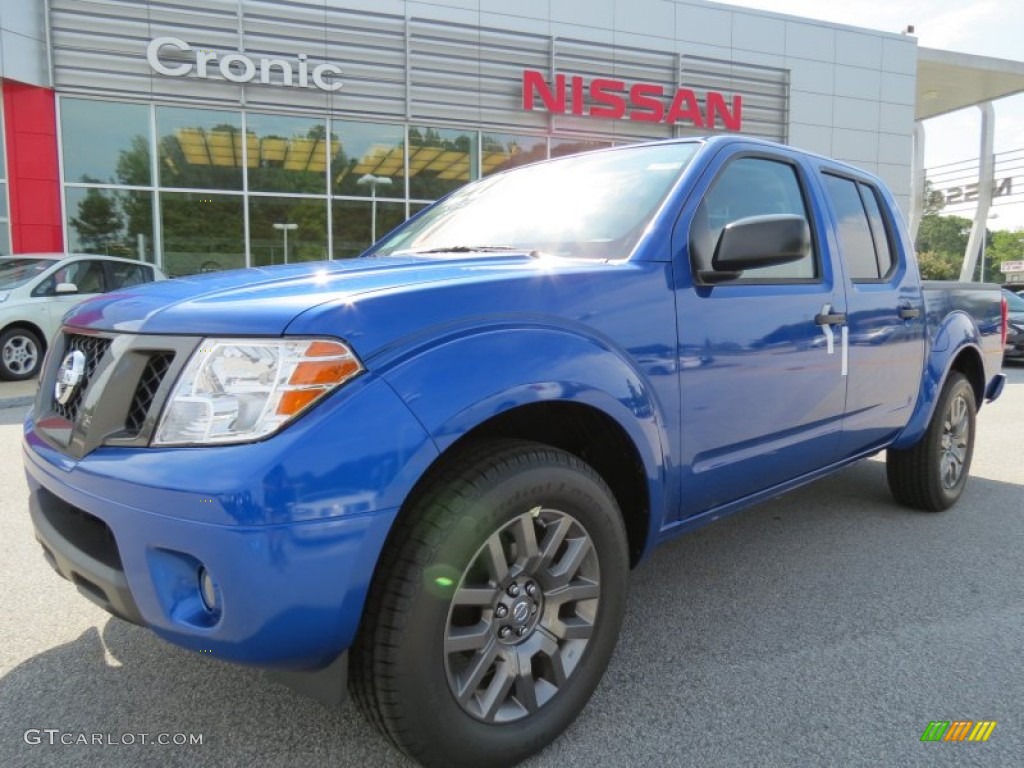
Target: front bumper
289, 529
289, 595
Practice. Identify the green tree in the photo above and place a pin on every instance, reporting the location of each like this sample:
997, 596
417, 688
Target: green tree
98, 222
938, 266
1003, 246
945, 235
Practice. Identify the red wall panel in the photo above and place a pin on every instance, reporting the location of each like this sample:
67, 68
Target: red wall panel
33, 175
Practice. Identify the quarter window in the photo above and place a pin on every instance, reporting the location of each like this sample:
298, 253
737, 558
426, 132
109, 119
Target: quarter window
124, 275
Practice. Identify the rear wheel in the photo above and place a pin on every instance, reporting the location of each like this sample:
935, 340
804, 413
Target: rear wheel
932, 474
495, 609
21, 354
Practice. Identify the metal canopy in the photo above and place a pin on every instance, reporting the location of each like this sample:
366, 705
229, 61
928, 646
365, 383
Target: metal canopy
948, 81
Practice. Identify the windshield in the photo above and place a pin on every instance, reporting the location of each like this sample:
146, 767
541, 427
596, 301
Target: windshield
592, 206
1014, 302
17, 272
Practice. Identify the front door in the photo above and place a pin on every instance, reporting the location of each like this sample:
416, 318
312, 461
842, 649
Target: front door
760, 364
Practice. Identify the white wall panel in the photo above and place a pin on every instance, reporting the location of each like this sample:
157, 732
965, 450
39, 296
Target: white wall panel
899, 56
861, 114
701, 24
857, 82
858, 147
810, 108
810, 41
758, 33
858, 50
813, 138
657, 19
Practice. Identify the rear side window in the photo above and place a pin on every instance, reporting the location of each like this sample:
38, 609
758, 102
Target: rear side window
752, 186
126, 275
863, 233
879, 230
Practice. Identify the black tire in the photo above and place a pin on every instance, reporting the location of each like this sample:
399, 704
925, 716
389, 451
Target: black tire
21, 354
932, 474
438, 588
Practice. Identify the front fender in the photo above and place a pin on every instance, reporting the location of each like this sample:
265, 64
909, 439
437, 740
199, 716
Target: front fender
957, 334
463, 382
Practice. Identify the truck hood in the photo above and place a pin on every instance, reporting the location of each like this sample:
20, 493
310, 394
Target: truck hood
263, 301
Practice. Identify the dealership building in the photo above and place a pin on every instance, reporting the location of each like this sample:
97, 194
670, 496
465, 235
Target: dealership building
210, 134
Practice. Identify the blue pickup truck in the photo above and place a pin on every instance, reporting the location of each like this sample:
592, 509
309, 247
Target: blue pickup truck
425, 473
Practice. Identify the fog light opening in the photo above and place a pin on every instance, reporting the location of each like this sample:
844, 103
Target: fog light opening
208, 591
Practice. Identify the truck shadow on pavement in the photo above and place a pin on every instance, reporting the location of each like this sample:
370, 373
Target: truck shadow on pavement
807, 609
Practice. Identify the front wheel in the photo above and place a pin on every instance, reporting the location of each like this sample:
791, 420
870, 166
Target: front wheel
496, 608
931, 475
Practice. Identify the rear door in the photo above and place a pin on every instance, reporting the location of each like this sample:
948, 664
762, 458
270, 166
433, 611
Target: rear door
885, 327
760, 371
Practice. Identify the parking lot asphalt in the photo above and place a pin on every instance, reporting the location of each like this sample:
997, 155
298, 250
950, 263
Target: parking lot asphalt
826, 627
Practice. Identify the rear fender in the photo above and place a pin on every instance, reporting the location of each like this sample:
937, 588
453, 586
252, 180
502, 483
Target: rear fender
957, 335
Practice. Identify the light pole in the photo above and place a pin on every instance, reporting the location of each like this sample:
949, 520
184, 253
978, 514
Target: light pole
285, 229
984, 242
374, 182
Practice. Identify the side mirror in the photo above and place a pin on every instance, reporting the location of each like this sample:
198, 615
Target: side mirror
66, 288
761, 241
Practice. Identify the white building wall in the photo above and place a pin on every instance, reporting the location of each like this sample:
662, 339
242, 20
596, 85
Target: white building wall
852, 91
23, 55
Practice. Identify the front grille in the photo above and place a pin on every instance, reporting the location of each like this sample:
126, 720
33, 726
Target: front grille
93, 347
124, 384
145, 392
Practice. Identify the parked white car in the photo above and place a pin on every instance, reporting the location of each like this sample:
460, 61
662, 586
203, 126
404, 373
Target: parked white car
37, 289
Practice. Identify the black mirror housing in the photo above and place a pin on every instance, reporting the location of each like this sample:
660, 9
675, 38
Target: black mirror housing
761, 241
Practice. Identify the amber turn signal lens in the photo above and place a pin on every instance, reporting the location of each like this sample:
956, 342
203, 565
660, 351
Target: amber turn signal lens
323, 371
325, 349
294, 401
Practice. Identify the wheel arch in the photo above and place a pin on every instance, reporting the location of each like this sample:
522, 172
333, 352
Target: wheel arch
582, 430
963, 355
556, 386
28, 325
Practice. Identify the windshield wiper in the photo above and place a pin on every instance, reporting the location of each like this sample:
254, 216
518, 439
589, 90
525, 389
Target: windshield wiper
470, 249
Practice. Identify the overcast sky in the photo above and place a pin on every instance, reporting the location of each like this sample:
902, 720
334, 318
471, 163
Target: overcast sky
983, 27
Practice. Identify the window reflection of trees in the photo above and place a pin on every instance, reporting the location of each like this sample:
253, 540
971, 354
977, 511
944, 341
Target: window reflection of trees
285, 168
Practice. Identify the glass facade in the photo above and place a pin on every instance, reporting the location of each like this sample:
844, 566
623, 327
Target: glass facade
198, 190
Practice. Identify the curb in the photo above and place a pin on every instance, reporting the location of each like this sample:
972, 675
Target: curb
16, 402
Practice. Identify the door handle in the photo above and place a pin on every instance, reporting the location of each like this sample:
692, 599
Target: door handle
909, 313
830, 318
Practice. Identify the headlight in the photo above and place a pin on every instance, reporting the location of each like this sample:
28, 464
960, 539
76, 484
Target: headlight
237, 390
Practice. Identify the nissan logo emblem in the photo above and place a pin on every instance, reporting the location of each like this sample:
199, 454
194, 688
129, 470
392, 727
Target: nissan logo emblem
521, 612
70, 375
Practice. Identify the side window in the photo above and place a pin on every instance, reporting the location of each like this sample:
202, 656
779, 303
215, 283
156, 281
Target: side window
863, 237
879, 229
126, 275
86, 274
751, 186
